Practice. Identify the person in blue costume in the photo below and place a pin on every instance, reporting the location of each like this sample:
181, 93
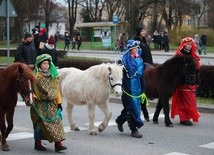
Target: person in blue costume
133, 88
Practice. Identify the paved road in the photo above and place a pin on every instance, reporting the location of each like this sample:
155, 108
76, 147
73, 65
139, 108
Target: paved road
158, 56
157, 140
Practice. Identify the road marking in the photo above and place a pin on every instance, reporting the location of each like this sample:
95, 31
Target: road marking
20, 135
24, 135
112, 122
20, 103
176, 153
209, 145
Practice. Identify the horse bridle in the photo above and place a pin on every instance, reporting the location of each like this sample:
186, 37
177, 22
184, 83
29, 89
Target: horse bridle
18, 85
112, 86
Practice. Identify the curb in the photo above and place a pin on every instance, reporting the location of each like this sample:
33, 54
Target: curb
152, 103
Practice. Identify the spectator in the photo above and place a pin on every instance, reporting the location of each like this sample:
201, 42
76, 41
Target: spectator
50, 49
26, 51
184, 99
56, 37
67, 41
79, 42
155, 40
46, 112
132, 89
166, 42
141, 37
204, 43
73, 43
197, 42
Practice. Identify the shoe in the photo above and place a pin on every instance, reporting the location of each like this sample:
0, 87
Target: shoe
136, 134
119, 126
38, 146
187, 123
59, 146
147, 119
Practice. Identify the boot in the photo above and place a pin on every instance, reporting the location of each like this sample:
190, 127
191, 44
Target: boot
59, 147
119, 126
136, 134
38, 146
187, 123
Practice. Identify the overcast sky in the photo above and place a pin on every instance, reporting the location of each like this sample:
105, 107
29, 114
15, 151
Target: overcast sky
61, 1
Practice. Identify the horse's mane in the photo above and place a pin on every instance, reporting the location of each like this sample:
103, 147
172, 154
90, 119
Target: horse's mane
176, 60
12, 71
103, 70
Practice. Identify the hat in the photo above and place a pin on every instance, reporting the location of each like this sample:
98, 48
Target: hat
27, 35
132, 44
138, 29
51, 40
52, 68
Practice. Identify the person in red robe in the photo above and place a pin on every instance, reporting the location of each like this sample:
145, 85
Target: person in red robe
184, 99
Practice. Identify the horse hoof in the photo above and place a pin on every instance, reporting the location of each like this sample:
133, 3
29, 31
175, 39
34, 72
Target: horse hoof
5, 148
170, 125
101, 128
93, 133
76, 129
155, 122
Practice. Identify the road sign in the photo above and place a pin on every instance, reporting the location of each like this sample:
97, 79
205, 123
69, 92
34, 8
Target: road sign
3, 9
115, 19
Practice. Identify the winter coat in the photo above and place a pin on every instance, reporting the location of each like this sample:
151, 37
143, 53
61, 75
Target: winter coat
26, 53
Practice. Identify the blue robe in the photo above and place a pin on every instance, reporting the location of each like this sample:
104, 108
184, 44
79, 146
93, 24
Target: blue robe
133, 72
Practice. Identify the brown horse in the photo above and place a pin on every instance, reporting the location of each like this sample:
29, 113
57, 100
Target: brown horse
15, 78
162, 81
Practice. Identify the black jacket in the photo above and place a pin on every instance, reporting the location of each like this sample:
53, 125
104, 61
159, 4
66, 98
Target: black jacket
146, 52
26, 53
52, 52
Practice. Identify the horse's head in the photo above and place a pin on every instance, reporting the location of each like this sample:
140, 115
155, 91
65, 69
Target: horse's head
115, 79
24, 83
190, 71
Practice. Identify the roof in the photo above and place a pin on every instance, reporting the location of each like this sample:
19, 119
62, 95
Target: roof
96, 24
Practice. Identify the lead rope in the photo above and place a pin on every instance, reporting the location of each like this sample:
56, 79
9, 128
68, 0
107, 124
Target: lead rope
143, 97
53, 119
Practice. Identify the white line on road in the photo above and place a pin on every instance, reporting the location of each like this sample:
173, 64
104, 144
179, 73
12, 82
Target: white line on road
209, 145
176, 153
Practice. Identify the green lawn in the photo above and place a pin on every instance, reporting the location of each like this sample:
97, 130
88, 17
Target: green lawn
95, 45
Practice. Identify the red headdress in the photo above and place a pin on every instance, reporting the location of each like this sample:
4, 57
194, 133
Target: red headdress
186, 41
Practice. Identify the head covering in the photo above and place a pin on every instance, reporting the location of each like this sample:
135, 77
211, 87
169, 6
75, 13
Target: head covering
132, 44
52, 68
27, 35
138, 29
186, 41
51, 40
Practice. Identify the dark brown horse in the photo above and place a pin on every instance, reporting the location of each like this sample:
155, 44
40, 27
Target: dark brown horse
15, 78
162, 81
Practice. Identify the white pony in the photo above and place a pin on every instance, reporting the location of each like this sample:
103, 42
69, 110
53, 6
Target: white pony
92, 87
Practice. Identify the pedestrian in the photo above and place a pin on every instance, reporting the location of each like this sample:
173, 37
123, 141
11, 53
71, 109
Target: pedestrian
43, 36
79, 42
147, 59
26, 51
73, 43
166, 42
67, 41
197, 42
132, 89
184, 99
50, 49
155, 40
36, 37
46, 112
56, 38
146, 52
204, 43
